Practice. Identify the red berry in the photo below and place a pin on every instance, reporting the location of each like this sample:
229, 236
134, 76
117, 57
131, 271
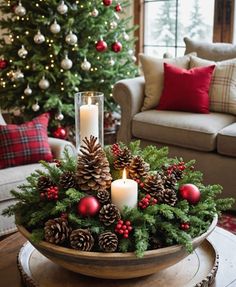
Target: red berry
118, 226
148, 196
127, 222
137, 180
121, 231
126, 235
129, 228
126, 231
120, 221
124, 227
141, 184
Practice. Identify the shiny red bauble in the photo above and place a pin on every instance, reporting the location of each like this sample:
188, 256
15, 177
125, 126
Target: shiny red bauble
60, 133
107, 2
116, 47
118, 8
190, 192
3, 64
88, 206
101, 46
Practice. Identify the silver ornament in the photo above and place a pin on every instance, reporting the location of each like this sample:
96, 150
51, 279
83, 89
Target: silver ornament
62, 8
20, 10
59, 117
17, 75
112, 62
113, 25
39, 38
44, 83
134, 58
17, 112
71, 39
55, 27
22, 52
28, 91
85, 65
130, 52
35, 107
66, 63
125, 36
95, 12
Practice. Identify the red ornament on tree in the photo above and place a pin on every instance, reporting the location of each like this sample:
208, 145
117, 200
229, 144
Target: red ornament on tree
88, 206
190, 192
116, 47
60, 133
184, 226
118, 8
101, 46
3, 64
107, 2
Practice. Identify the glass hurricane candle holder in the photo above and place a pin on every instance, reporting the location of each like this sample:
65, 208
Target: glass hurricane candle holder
88, 116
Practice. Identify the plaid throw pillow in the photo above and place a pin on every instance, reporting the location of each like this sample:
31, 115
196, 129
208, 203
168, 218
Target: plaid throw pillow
26, 143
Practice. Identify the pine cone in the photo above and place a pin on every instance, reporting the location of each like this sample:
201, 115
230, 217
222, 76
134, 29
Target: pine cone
56, 230
93, 171
81, 239
153, 184
44, 182
169, 181
103, 197
178, 174
108, 241
123, 159
168, 196
138, 168
67, 180
108, 214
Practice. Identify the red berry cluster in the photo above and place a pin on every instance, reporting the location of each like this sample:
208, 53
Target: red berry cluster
176, 167
184, 226
140, 183
115, 148
147, 201
123, 228
51, 193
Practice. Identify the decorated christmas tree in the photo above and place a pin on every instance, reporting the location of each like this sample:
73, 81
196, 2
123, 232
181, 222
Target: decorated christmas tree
52, 49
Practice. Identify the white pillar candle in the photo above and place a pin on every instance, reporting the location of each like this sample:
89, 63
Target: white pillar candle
124, 192
88, 121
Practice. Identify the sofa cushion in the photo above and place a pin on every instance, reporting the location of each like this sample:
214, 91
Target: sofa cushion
196, 131
210, 51
11, 177
226, 140
186, 90
26, 143
223, 85
154, 77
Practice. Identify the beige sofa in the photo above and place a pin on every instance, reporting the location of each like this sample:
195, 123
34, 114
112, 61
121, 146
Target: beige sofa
208, 138
11, 177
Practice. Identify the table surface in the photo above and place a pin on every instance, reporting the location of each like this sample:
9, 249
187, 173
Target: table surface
223, 241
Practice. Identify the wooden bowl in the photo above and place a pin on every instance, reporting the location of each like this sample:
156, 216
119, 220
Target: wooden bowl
115, 265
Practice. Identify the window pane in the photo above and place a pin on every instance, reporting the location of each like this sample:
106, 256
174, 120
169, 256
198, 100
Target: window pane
167, 22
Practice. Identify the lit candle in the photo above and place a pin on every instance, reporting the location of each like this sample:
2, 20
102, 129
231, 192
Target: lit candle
124, 192
88, 120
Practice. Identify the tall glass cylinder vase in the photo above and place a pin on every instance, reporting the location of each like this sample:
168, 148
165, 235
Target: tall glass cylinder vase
88, 116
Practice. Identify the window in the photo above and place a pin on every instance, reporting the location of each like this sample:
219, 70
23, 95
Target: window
164, 23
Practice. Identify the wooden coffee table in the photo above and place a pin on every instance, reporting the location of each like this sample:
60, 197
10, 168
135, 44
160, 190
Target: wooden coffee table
223, 241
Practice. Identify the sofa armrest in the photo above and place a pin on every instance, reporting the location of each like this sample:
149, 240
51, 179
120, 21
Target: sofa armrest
129, 94
58, 146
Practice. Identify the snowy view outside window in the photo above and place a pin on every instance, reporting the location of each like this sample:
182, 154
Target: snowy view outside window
167, 22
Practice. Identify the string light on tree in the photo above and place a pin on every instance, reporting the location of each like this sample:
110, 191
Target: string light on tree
71, 39
39, 38
86, 65
20, 10
55, 28
28, 90
62, 8
22, 52
113, 25
44, 83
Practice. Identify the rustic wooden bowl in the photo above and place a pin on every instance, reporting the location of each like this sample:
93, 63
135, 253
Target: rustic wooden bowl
115, 265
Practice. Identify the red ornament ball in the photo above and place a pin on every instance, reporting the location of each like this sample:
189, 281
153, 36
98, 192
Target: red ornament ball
118, 8
107, 2
60, 133
116, 47
190, 192
184, 226
3, 64
101, 46
88, 206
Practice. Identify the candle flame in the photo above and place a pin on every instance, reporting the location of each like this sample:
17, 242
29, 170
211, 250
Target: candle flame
124, 174
89, 101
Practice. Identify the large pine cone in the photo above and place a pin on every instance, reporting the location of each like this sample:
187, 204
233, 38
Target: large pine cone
81, 239
153, 185
108, 241
56, 230
67, 180
44, 182
108, 214
123, 159
93, 171
169, 181
104, 197
168, 196
138, 168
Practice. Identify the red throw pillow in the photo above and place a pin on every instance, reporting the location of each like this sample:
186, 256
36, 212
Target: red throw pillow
186, 90
26, 143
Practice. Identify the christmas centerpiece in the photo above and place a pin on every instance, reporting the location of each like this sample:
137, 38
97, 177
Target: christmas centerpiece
86, 216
